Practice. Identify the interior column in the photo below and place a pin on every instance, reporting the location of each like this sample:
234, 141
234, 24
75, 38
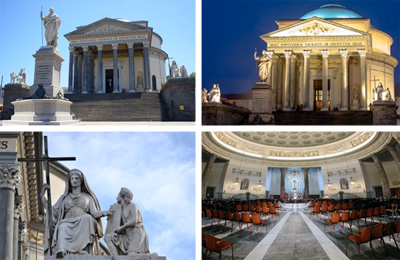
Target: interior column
71, 68
345, 86
325, 55
288, 54
115, 67
382, 176
206, 173
131, 68
283, 175
99, 69
306, 185
394, 154
306, 80
363, 94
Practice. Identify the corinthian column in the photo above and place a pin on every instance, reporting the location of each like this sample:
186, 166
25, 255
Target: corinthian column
288, 54
71, 68
325, 55
275, 81
306, 80
283, 175
206, 173
99, 69
293, 60
9, 177
85, 70
17, 213
115, 68
363, 96
382, 177
395, 155
345, 86
306, 185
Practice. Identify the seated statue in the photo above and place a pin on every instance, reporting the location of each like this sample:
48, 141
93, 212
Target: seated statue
125, 233
76, 217
39, 93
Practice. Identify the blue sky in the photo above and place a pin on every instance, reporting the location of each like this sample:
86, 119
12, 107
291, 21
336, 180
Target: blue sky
20, 28
159, 168
232, 29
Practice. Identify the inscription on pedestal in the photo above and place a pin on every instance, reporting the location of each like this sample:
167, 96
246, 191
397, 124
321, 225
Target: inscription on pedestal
43, 73
259, 105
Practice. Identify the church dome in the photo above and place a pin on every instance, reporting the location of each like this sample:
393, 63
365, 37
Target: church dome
331, 11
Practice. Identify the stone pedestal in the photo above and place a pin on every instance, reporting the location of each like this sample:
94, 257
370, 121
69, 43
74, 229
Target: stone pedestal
354, 107
384, 113
12, 92
47, 70
222, 114
91, 257
261, 102
41, 112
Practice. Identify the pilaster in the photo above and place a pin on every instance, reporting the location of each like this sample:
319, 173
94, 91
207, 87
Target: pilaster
363, 94
345, 86
306, 79
325, 55
288, 55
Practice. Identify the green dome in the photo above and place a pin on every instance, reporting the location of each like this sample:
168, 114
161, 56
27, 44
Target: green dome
331, 11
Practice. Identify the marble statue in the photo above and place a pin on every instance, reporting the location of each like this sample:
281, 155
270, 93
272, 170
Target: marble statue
139, 82
263, 66
76, 217
184, 73
388, 95
21, 77
13, 76
125, 233
51, 24
379, 90
215, 94
204, 96
355, 96
174, 70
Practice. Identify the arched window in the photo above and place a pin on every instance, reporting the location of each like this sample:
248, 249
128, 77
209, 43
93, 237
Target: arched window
154, 80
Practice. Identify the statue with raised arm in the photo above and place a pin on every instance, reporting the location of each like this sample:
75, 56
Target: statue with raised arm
125, 233
21, 78
51, 24
174, 70
264, 64
76, 217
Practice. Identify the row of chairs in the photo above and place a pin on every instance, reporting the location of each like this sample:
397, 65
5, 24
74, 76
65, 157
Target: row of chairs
332, 206
252, 208
378, 231
214, 244
377, 212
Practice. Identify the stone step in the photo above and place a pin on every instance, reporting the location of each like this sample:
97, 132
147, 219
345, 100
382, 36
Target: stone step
323, 118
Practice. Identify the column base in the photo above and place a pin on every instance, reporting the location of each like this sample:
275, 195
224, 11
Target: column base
324, 109
344, 109
99, 92
85, 92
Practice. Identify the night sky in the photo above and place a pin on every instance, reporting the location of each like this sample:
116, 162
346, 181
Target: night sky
231, 30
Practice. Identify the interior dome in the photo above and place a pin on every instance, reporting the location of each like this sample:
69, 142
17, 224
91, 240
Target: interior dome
331, 11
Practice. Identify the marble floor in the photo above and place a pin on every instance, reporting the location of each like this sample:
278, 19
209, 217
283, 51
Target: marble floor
295, 236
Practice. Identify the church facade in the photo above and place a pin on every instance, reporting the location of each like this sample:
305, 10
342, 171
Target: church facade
329, 59
115, 56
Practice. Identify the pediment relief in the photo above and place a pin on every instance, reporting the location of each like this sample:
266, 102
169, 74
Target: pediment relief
107, 28
315, 27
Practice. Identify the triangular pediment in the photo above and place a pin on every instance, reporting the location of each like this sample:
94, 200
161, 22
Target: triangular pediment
107, 26
315, 27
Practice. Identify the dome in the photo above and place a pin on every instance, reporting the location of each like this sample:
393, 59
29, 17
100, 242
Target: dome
331, 11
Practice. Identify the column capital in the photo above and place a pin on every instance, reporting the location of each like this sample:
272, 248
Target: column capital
130, 45
275, 58
99, 47
85, 48
71, 49
306, 54
90, 52
362, 52
270, 54
343, 53
114, 46
325, 53
9, 176
146, 44
76, 53
293, 58
288, 54
305, 169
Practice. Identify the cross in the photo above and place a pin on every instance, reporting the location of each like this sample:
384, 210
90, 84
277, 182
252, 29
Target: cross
375, 80
168, 58
46, 159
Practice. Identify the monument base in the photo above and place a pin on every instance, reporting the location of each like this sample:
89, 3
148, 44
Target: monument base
384, 113
354, 107
100, 257
12, 92
261, 102
41, 112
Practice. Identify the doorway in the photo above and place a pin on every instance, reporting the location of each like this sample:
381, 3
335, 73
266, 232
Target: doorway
378, 191
210, 192
318, 94
110, 80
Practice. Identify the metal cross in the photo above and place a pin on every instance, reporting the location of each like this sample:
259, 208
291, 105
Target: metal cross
46, 159
375, 80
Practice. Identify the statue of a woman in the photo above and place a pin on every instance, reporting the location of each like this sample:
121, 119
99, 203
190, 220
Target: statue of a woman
76, 217
263, 66
51, 23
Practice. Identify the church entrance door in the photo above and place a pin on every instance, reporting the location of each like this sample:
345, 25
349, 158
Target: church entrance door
109, 81
318, 95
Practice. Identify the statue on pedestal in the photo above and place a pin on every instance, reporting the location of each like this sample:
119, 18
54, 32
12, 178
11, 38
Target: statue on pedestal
263, 65
13, 76
204, 96
51, 23
215, 94
125, 233
174, 70
379, 90
183, 71
21, 78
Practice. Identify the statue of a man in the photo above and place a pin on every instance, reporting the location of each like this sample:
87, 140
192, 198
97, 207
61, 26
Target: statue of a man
51, 24
263, 65
379, 90
204, 96
125, 233
40, 93
174, 70
22, 76
183, 70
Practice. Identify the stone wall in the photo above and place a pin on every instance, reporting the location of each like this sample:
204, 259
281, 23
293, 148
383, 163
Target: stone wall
179, 92
221, 114
384, 113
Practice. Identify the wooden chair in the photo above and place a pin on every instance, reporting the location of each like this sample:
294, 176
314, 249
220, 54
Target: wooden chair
377, 233
369, 215
221, 216
361, 214
375, 213
265, 211
331, 208
351, 205
339, 207
392, 210
245, 207
358, 239
203, 242
255, 218
263, 204
382, 213
252, 208
335, 219
228, 217
258, 210
246, 219
237, 218
344, 218
269, 204
389, 231
353, 216
217, 245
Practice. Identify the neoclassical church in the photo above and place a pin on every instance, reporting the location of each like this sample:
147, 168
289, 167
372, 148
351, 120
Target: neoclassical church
114, 56
330, 58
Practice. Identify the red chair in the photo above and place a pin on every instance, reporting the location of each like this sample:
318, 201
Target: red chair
369, 215
214, 215
358, 239
316, 211
276, 204
246, 219
273, 212
221, 216
238, 208
345, 206
245, 207
351, 205
353, 216
228, 217
265, 211
251, 208
377, 233
339, 207
331, 208
269, 204
397, 229
263, 204
361, 215
382, 213
389, 231
324, 209
375, 213
344, 218
258, 210
335, 219
238, 218
209, 215
312, 204
255, 218
217, 245
258, 203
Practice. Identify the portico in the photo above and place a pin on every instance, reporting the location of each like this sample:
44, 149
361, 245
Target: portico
115, 56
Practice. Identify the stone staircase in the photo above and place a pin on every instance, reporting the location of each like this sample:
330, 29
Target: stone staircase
118, 107
323, 118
